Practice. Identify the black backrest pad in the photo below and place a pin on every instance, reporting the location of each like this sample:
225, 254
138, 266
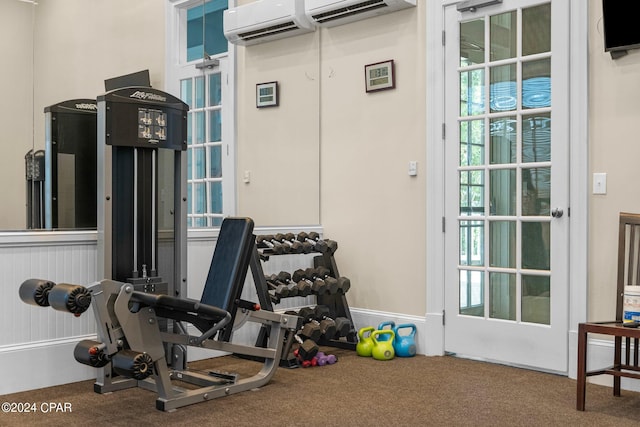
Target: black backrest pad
230, 263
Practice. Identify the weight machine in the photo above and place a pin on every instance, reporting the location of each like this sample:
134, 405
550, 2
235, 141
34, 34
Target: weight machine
140, 306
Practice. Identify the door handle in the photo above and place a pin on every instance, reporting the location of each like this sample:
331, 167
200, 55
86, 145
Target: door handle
557, 213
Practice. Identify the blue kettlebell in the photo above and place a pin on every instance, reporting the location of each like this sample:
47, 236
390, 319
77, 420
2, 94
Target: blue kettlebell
388, 325
405, 345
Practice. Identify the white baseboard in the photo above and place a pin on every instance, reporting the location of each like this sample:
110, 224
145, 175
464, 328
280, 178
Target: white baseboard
42, 364
600, 355
363, 318
50, 363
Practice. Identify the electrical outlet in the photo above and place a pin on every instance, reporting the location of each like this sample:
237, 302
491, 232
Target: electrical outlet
413, 168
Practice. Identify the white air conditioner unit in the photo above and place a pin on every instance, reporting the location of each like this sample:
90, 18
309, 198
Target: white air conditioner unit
265, 20
329, 13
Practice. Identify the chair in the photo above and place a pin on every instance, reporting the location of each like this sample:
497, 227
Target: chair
628, 275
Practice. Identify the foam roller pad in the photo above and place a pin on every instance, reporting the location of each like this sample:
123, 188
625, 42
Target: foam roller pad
72, 298
36, 291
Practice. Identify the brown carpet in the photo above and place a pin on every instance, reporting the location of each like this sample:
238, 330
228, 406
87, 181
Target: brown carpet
356, 391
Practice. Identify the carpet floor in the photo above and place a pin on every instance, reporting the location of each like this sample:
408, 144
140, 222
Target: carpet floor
356, 391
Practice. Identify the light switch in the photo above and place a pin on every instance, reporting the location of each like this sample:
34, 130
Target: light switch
246, 178
599, 183
413, 168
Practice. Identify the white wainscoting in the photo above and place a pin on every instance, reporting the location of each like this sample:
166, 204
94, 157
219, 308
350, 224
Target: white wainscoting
36, 344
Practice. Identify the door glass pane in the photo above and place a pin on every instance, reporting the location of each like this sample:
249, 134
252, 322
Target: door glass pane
536, 192
215, 161
472, 293
472, 42
536, 299
472, 143
536, 29
536, 84
502, 189
503, 34
503, 140
502, 296
472, 92
536, 254
472, 192
215, 125
472, 243
503, 92
516, 165
502, 244
536, 138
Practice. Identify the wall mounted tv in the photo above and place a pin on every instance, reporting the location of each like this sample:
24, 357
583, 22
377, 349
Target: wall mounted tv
620, 23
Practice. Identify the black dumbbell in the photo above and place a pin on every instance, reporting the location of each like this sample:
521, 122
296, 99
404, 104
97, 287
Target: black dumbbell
266, 242
311, 330
301, 288
343, 285
307, 348
319, 245
307, 314
315, 273
343, 327
304, 247
332, 246
279, 289
318, 286
294, 246
327, 324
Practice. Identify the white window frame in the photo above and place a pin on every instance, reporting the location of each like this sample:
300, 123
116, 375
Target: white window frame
178, 68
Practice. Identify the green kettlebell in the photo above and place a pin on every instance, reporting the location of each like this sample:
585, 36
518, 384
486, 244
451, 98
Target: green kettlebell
365, 343
383, 350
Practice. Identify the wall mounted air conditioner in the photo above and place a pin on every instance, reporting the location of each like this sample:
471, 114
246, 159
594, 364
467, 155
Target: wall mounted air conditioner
265, 20
329, 13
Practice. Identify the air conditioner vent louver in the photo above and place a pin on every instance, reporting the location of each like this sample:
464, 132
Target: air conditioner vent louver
331, 13
274, 29
355, 9
266, 20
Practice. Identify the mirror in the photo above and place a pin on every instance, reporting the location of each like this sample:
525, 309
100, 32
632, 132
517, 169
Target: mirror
61, 50
17, 21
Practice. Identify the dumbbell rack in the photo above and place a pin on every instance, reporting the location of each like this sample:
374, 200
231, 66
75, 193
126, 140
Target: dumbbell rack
337, 302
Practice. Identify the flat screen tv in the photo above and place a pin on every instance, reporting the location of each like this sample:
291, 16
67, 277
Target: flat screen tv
620, 23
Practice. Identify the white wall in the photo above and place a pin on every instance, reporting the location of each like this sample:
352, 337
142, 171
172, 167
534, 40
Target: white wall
614, 110
335, 155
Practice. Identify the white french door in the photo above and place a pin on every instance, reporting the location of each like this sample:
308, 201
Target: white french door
506, 182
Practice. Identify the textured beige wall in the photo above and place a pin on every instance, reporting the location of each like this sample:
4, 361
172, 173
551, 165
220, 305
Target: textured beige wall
614, 112
279, 146
334, 155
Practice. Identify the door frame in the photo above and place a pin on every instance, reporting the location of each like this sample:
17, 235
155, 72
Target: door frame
578, 175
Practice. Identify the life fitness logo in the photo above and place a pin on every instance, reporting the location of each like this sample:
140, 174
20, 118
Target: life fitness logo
92, 107
148, 96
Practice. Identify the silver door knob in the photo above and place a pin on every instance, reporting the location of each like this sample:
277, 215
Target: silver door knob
557, 213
